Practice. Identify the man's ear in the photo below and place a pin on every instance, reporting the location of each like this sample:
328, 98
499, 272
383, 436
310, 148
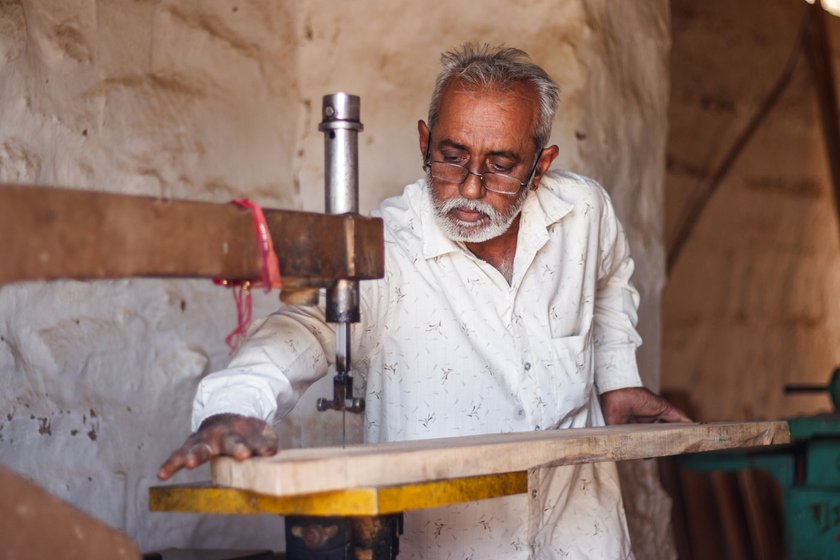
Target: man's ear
423, 135
546, 158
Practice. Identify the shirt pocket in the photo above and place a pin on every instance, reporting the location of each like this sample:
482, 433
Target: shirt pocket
572, 354
570, 377
569, 323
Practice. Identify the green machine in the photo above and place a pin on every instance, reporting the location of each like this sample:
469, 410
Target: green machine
808, 471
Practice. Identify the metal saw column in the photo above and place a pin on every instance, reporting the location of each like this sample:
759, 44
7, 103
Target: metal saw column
341, 126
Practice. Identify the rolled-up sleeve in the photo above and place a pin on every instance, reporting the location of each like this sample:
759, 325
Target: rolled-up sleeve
616, 309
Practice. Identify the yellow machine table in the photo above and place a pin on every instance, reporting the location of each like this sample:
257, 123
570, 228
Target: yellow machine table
342, 503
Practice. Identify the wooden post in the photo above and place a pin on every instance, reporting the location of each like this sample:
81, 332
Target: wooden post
819, 57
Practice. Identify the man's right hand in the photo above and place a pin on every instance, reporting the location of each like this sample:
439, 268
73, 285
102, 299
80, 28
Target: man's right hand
232, 435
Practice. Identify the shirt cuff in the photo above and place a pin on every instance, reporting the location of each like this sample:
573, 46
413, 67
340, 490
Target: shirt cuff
616, 369
248, 401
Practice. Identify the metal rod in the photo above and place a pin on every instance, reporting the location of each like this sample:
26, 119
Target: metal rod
806, 388
341, 126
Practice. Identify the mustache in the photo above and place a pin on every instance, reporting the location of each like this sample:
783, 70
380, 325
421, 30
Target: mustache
467, 204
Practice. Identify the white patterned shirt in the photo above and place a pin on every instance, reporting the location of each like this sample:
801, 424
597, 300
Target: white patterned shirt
446, 347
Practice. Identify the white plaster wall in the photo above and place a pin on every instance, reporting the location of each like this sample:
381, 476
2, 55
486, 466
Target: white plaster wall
184, 99
216, 99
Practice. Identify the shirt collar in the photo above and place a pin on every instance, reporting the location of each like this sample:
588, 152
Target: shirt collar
543, 208
549, 200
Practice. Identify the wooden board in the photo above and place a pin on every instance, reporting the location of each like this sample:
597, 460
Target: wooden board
35, 524
50, 233
305, 471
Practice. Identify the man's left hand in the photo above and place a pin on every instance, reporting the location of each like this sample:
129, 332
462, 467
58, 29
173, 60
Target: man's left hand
638, 405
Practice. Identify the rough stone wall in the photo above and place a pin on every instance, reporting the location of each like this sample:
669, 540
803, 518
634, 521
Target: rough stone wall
749, 306
182, 99
211, 100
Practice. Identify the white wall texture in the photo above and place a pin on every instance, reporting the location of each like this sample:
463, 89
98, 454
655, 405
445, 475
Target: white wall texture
216, 99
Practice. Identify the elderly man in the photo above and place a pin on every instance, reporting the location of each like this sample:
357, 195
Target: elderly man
506, 306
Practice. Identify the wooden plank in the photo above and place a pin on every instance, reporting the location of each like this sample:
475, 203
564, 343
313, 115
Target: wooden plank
758, 517
702, 524
50, 233
683, 491
305, 471
730, 515
35, 524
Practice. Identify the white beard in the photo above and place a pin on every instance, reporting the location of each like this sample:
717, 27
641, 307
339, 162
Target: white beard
491, 225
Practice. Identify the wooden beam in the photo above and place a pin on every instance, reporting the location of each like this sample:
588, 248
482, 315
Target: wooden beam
820, 59
36, 524
306, 471
50, 233
695, 210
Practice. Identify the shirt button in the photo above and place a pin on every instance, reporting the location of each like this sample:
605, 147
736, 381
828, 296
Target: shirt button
527, 366
520, 412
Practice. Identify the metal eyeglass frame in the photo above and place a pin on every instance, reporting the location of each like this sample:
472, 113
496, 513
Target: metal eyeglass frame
427, 163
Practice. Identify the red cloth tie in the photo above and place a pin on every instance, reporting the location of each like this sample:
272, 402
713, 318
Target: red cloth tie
269, 276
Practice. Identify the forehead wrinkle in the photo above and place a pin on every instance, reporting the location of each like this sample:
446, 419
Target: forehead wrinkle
506, 101
504, 94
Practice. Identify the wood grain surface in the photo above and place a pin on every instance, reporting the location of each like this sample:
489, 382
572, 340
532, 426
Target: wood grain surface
36, 524
51, 233
304, 471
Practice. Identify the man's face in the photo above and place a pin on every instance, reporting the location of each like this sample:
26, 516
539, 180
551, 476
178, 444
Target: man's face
485, 131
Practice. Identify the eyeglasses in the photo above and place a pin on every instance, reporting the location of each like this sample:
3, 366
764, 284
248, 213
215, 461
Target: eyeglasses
494, 182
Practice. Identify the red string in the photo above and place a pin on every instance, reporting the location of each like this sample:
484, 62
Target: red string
270, 265
269, 276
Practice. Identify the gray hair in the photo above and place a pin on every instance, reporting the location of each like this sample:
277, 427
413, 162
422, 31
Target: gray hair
485, 66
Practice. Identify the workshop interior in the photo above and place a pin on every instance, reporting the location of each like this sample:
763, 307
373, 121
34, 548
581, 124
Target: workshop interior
128, 127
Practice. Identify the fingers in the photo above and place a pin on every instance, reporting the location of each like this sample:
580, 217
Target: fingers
173, 464
269, 442
254, 438
674, 414
235, 446
638, 405
190, 455
649, 407
657, 409
230, 435
199, 453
